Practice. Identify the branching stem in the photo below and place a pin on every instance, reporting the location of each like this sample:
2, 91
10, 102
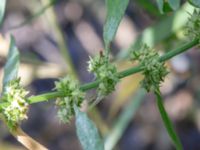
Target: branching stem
123, 74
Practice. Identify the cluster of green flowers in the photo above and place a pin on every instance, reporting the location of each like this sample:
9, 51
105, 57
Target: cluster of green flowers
154, 71
16, 106
105, 72
192, 29
73, 97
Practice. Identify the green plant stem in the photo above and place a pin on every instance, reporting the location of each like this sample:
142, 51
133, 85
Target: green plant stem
167, 122
125, 73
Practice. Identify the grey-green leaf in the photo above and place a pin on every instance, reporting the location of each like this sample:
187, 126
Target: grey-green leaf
115, 12
12, 64
2, 10
195, 3
167, 122
87, 132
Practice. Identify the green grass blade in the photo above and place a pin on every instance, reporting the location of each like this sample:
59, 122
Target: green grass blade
124, 120
167, 122
115, 12
87, 132
12, 64
2, 10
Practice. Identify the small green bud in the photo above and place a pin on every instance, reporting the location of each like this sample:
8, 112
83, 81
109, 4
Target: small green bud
17, 106
105, 72
154, 71
73, 97
192, 29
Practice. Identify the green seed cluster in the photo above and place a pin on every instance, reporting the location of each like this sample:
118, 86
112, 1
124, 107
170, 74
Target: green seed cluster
16, 109
105, 72
73, 97
192, 29
154, 71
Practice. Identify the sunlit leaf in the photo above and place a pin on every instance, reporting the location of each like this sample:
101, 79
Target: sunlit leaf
12, 64
87, 132
115, 12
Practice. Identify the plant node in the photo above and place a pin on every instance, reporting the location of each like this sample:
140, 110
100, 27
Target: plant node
73, 97
154, 71
16, 106
105, 72
192, 29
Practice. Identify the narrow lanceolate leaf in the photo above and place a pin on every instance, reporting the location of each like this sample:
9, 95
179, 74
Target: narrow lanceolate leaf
167, 122
195, 3
2, 9
115, 12
87, 132
168, 5
12, 64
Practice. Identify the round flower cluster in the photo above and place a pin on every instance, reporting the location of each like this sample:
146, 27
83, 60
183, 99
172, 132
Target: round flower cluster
73, 97
105, 72
16, 106
192, 29
154, 71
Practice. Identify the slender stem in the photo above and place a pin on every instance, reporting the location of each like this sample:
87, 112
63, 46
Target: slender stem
167, 122
125, 73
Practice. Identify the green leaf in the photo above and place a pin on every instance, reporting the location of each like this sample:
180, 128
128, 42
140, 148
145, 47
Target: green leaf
195, 3
167, 6
87, 132
12, 64
167, 122
115, 12
2, 10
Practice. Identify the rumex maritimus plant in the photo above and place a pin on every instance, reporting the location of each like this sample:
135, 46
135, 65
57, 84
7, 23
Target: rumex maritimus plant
70, 94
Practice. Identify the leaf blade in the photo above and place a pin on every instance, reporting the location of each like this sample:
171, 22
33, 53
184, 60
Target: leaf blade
167, 122
12, 64
87, 132
115, 12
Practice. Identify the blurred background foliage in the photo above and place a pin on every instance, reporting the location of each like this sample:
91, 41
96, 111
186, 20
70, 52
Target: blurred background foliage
48, 32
